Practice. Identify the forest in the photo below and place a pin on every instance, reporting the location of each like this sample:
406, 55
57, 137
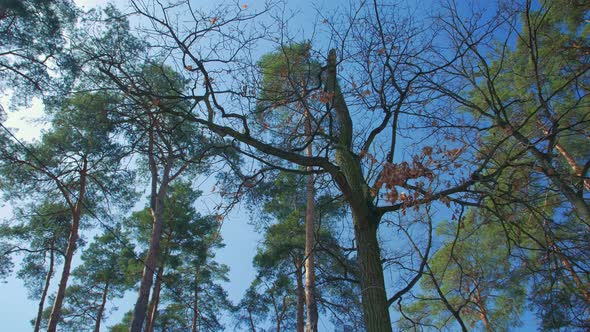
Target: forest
406, 166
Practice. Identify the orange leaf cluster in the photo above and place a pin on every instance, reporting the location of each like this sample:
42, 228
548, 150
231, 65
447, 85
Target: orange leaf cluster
394, 175
322, 96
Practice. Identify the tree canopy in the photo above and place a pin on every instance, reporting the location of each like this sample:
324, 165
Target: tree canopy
412, 168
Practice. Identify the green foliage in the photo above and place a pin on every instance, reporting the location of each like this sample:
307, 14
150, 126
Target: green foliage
192, 275
124, 325
32, 42
109, 268
535, 96
281, 255
287, 75
80, 141
290, 79
477, 275
41, 229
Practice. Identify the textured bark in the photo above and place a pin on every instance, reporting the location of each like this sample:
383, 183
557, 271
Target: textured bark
578, 171
580, 205
357, 193
153, 307
300, 296
194, 323
45, 289
310, 300
157, 197
65, 275
103, 303
147, 278
579, 283
480, 303
71, 248
374, 296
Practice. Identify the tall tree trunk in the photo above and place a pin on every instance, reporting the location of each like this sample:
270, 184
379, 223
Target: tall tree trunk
480, 303
65, 275
153, 307
45, 289
310, 301
157, 210
71, 248
358, 194
147, 278
578, 171
251, 319
374, 296
300, 295
103, 303
194, 323
579, 283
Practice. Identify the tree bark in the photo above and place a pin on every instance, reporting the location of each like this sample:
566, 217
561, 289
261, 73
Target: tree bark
65, 275
366, 222
374, 295
194, 325
310, 300
157, 210
153, 307
300, 296
103, 303
71, 248
480, 303
147, 278
578, 171
45, 289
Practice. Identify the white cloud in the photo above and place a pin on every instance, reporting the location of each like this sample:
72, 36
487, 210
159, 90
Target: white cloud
26, 123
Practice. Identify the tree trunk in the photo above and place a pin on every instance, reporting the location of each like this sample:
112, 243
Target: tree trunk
579, 283
103, 303
157, 211
310, 301
71, 248
194, 325
374, 296
65, 275
300, 296
357, 193
252, 326
147, 278
45, 289
480, 303
153, 307
578, 171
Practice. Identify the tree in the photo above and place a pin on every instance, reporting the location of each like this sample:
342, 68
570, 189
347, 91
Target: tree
76, 161
477, 276
392, 81
32, 46
43, 239
281, 256
287, 76
171, 148
109, 268
527, 98
186, 260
